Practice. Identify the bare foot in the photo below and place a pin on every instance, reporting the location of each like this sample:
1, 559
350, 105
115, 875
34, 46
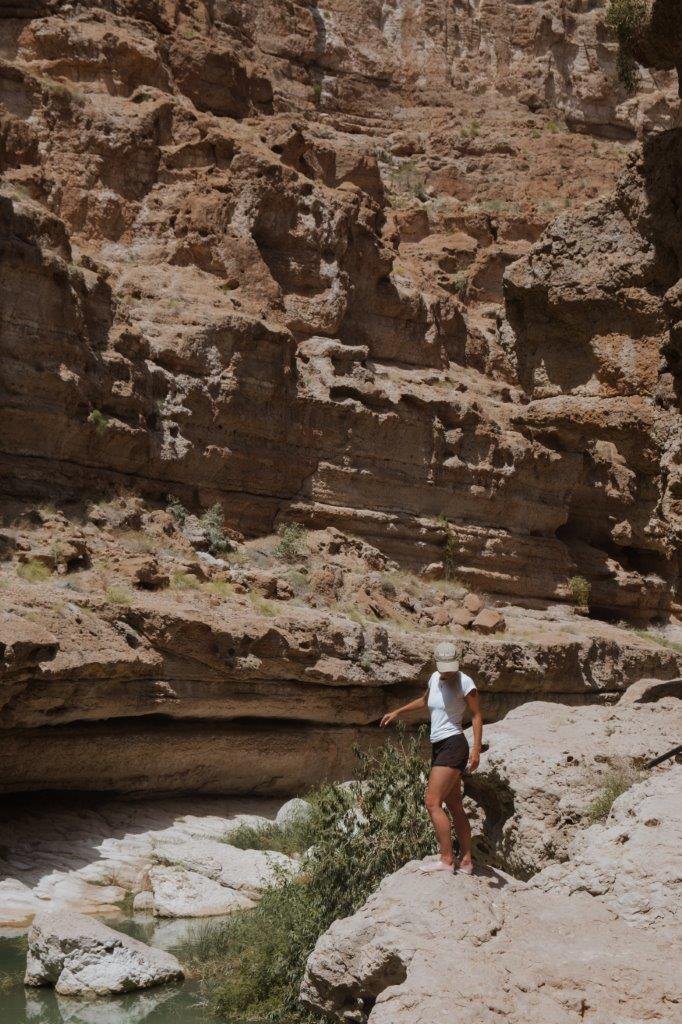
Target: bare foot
436, 865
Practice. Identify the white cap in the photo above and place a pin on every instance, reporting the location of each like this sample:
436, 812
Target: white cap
446, 657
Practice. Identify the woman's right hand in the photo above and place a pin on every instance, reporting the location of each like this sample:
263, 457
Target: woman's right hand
387, 719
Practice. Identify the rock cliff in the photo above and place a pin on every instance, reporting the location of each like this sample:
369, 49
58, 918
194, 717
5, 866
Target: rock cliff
290, 259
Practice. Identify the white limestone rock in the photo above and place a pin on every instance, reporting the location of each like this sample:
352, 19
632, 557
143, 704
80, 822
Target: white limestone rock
293, 811
80, 956
632, 862
179, 893
449, 949
248, 872
546, 763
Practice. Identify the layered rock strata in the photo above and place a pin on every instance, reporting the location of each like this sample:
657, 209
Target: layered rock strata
265, 251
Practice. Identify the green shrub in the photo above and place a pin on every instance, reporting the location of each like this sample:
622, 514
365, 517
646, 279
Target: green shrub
252, 965
34, 571
184, 581
618, 780
291, 545
213, 522
177, 510
291, 839
450, 557
118, 595
317, 93
460, 285
627, 18
99, 421
580, 591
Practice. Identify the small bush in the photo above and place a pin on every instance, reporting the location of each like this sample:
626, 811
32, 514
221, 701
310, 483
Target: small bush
184, 581
450, 557
252, 965
580, 591
291, 545
34, 571
262, 606
222, 588
617, 782
317, 93
213, 522
291, 839
460, 285
627, 18
177, 510
119, 595
99, 421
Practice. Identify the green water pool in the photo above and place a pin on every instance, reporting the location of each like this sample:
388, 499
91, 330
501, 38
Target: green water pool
165, 1004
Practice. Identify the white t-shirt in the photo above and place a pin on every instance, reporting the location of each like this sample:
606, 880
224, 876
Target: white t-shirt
447, 704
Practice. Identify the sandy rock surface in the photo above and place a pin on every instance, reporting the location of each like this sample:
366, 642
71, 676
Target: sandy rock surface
83, 957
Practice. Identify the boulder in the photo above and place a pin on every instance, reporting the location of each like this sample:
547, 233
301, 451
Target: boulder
293, 811
646, 690
80, 956
462, 617
179, 893
489, 621
472, 603
433, 571
248, 872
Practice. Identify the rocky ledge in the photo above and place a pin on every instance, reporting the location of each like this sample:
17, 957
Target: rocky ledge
589, 938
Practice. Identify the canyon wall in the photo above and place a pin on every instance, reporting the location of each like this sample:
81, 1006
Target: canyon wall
405, 270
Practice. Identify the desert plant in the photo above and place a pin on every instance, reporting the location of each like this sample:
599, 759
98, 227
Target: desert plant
253, 963
177, 510
33, 571
616, 782
184, 581
262, 606
118, 595
580, 591
627, 19
460, 285
291, 542
317, 93
99, 421
222, 588
213, 523
450, 556
293, 838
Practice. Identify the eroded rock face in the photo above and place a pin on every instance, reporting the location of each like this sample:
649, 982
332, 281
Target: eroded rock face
83, 957
269, 246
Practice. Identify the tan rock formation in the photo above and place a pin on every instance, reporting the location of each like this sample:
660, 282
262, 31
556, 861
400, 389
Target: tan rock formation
257, 255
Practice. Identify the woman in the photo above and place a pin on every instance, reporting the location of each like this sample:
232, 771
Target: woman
448, 693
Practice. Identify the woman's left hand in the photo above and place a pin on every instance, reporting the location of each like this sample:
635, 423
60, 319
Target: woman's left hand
474, 758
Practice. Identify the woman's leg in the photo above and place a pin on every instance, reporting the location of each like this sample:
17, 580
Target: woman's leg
453, 801
441, 781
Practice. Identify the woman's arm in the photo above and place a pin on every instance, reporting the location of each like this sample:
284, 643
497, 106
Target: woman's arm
414, 705
474, 705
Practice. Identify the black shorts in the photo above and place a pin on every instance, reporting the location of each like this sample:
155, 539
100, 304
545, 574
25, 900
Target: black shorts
452, 752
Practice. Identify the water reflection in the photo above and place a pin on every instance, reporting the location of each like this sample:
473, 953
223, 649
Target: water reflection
167, 1004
